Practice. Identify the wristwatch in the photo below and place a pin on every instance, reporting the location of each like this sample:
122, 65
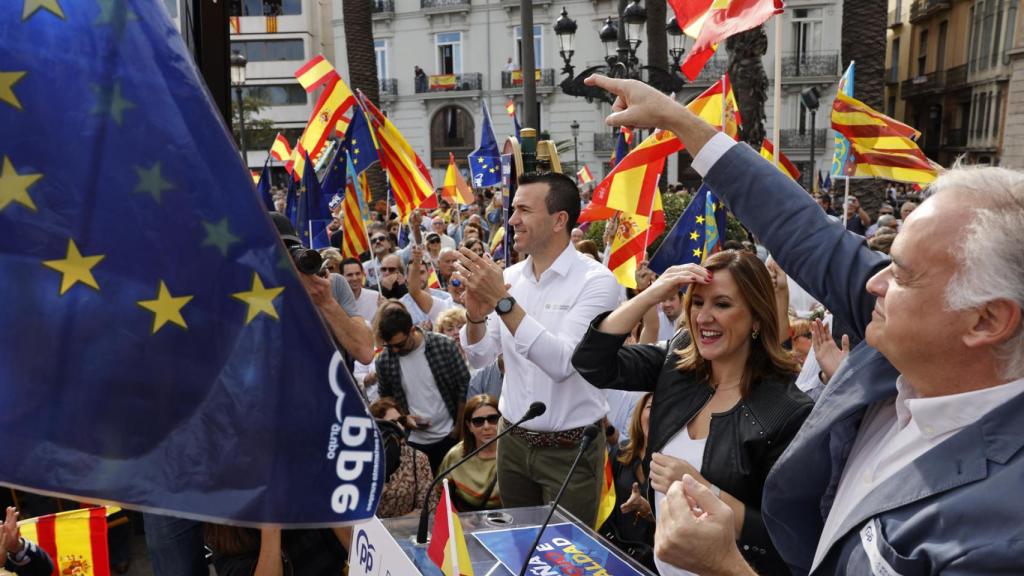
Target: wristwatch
505, 305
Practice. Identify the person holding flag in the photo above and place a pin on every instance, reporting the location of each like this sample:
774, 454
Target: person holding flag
21, 556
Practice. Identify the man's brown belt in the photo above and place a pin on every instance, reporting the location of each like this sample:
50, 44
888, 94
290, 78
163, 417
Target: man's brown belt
561, 439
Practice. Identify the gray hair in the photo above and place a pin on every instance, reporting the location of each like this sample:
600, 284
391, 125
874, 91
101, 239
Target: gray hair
990, 254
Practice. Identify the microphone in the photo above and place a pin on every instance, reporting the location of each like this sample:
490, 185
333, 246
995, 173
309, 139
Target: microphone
535, 409
589, 433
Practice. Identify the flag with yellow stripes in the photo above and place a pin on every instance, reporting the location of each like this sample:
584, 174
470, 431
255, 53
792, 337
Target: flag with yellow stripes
75, 540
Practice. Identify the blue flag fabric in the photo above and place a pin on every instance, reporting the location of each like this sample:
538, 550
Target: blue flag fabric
685, 243
334, 181
291, 206
263, 187
515, 124
485, 161
621, 148
157, 348
314, 210
359, 142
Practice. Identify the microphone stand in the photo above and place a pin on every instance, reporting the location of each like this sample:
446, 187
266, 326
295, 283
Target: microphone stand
535, 409
589, 433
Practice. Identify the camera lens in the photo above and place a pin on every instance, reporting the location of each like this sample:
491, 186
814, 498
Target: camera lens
306, 260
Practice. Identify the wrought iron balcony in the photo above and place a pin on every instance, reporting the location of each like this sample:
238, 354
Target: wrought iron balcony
514, 78
451, 82
921, 9
956, 77
603, 142
955, 137
444, 5
795, 138
388, 86
808, 64
923, 84
383, 6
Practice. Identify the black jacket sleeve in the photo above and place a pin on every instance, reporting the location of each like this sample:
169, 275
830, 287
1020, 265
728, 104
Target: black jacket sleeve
36, 562
603, 361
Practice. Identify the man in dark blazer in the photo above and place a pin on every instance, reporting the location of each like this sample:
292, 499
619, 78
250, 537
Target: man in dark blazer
911, 461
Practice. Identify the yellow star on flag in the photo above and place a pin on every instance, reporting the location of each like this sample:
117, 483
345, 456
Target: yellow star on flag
75, 268
696, 252
694, 235
166, 308
14, 187
700, 219
260, 299
7, 82
30, 7
714, 207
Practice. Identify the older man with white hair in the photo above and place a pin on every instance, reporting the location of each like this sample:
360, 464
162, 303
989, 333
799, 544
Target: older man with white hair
912, 456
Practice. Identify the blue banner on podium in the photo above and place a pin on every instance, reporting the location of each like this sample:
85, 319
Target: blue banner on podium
565, 549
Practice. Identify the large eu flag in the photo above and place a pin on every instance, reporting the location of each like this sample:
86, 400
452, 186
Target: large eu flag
157, 348
485, 161
698, 233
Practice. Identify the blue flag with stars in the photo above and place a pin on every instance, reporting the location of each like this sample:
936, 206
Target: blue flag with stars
694, 236
157, 347
314, 210
359, 143
291, 202
485, 161
263, 187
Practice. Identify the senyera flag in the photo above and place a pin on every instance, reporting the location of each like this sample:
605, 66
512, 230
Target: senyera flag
158, 349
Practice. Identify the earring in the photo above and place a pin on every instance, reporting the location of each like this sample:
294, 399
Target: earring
755, 334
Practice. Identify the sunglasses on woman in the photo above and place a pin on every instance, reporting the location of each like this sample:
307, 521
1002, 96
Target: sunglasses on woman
478, 421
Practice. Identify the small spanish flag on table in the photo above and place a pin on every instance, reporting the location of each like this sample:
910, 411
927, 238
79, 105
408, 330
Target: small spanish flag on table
447, 544
76, 540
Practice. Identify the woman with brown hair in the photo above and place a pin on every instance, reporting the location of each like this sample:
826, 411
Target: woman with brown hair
404, 489
725, 404
474, 485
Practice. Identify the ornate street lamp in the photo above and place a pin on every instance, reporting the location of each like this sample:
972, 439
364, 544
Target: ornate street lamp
575, 129
635, 18
609, 36
565, 30
676, 42
238, 63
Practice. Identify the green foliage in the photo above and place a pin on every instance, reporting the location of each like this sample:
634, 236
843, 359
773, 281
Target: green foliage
259, 132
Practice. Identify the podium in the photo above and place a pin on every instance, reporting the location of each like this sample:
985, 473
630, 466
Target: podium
497, 541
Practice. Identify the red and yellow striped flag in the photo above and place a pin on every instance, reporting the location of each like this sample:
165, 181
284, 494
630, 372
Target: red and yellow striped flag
315, 73
510, 107
723, 19
708, 106
584, 175
410, 179
606, 505
281, 150
455, 188
632, 237
447, 547
883, 147
355, 211
76, 540
335, 102
785, 166
632, 185
236, 24
271, 24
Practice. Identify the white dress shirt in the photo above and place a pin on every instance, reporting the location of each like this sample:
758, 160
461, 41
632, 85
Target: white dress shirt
538, 360
895, 433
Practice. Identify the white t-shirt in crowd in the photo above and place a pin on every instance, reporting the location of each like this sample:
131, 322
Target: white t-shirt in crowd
419, 316
366, 304
423, 397
666, 326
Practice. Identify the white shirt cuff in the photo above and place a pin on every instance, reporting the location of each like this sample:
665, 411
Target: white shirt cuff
715, 148
526, 334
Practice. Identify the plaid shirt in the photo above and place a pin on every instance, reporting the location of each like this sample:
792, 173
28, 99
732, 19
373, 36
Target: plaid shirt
446, 364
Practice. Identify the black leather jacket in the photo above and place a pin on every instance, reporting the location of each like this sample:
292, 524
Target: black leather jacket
743, 443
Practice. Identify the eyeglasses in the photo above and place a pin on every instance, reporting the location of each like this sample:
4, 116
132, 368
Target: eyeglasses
478, 421
378, 239
388, 269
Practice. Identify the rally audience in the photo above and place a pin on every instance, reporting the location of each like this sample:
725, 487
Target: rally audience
406, 487
474, 484
247, 551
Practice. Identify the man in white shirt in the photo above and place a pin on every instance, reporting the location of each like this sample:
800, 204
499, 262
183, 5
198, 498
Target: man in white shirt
535, 313
668, 313
910, 459
440, 227
366, 300
422, 303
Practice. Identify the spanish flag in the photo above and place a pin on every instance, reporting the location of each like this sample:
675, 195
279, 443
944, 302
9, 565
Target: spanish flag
335, 102
584, 175
315, 73
606, 505
455, 188
785, 166
724, 19
75, 540
410, 179
447, 547
710, 103
883, 147
632, 237
632, 185
281, 150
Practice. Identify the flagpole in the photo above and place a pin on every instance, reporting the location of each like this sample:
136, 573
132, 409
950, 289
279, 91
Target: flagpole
724, 103
777, 92
846, 198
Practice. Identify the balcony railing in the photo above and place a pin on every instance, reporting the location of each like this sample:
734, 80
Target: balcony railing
892, 75
450, 82
383, 6
955, 137
956, 77
808, 64
514, 78
923, 8
895, 18
388, 87
794, 138
603, 142
444, 5
923, 84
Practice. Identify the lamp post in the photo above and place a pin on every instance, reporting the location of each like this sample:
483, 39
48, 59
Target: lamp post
620, 62
575, 128
238, 63
809, 97
676, 42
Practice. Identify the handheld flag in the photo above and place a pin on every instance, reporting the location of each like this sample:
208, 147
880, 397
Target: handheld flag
455, 188
694, 236
314, 211
882, 147
485, 161
709, 104
606, 504
354, 213
843, 161
173, 321
409, 177
584, 176
632, 237
281, 150
75, 540
447, 547
359, 142
785, 165
315, 73
622, 146
330, 114
263, 187
291, 203
632, 185
724, 19
510, 107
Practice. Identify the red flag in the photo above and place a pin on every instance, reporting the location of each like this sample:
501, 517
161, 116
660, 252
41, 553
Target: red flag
726, 18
